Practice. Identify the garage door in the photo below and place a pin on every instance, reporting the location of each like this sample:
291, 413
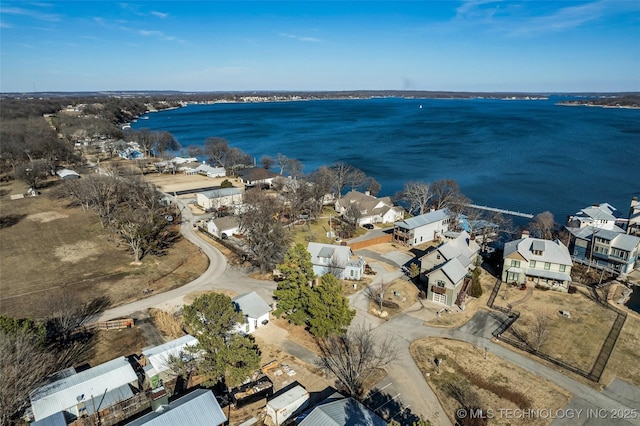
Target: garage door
440, 298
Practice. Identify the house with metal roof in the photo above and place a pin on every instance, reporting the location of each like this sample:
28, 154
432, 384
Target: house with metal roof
338, 410
197, 408
67, 174
85, 392
445, 269
255, 310
535, 261
218, 198
421, 229
155, 360
336, 260
597, 238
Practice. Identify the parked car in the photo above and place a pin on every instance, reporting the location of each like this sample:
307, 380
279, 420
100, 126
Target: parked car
368, 226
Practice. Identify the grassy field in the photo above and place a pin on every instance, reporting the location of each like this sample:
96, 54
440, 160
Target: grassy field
576, 340
496, 383
624, 362
48, 247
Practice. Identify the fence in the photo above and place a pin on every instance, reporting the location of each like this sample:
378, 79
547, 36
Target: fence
108, 325
116, 413
387, 238
605, 351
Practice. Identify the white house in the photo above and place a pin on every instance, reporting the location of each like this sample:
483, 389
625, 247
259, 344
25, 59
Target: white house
75, 394
155, 360
227, 225
197, 408
67, 174
337, 260
534, 261
217, 198
209, 171
445, 269
597, 237
255, 310
372, 209
421, 229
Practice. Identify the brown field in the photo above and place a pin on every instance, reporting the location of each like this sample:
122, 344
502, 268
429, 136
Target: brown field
497, 383
576, 340
48, 247
401, 292
624, 362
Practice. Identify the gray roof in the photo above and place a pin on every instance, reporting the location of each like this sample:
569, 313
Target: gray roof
341, 254
326, 252
454, 270
63, 394
625, 242
252, 305
194, 409
158, 356
553, 252
67, 174
340, 411
222, 192
56, 419
225, 223
423, 219
559, 276
290, 396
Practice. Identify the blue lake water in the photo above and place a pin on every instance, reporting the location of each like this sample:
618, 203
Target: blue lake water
523, 155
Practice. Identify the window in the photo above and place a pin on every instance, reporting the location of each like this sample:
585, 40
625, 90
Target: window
532, 263
515, 263
563, 268
512, 276
547, 265
537, 252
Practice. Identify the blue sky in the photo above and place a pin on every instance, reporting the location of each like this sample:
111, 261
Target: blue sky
529, 46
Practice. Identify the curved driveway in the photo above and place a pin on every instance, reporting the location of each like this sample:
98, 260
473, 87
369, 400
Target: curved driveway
217, 276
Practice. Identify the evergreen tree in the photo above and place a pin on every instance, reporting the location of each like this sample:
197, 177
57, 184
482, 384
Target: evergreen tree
328, 309
211, 318
476, 289
294, 291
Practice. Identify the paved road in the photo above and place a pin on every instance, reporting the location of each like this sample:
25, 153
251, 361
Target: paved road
409, 386
217, 276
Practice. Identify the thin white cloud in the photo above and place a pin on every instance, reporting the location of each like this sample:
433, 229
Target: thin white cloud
301, 38
20, 11
160, 15
157, 34
531, 18
5, 25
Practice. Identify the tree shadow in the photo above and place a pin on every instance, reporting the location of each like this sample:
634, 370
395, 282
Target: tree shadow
389, 408
11, 220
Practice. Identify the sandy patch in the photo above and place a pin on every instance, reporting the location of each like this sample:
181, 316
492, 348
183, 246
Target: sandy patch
46, 216
76, 252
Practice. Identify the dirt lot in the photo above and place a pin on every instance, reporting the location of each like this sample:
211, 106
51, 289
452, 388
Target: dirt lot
47, 246
399, 295
496, 383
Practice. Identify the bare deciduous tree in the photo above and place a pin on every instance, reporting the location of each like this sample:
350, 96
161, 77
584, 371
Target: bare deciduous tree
375, 292
543, 225
418, 195
354, 356
267, 162
539, 328
24, 365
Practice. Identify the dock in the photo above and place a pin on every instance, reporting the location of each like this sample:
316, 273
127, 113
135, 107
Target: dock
503, 211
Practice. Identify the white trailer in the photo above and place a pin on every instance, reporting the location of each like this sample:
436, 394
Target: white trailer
285, 405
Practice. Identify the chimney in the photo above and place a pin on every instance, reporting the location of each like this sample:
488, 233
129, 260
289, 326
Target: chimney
525, 233
367, 193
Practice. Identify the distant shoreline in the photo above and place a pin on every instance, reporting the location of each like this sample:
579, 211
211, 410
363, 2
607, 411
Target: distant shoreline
588, 104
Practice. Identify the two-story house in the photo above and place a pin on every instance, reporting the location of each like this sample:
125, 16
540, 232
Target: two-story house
421, 229
336, 260
445, 269
372, 209
535, 261
598, 237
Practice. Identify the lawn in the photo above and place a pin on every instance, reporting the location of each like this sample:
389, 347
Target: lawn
48, 247
496, 383
576, 340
